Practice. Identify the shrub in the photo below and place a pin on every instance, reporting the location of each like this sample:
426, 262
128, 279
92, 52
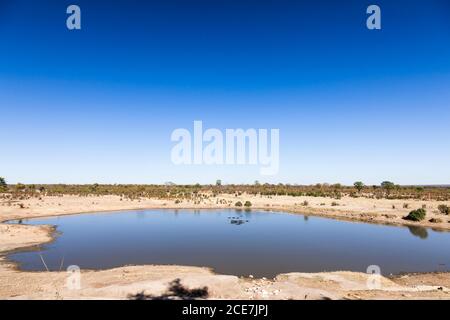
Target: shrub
247, 204
305, 203
358, 185
3, 185
388, 186
444, 209
238, 204
405, 206
20, 187
416, 215
334, 204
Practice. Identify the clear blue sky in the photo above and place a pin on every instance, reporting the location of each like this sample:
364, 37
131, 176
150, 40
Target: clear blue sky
99, 104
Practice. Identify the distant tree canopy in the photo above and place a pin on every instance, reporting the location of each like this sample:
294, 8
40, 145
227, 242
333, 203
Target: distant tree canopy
359, 185
197, 191
388, 186
3, 185
20, 187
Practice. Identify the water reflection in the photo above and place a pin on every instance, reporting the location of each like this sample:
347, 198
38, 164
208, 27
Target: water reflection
237, 221
417, 231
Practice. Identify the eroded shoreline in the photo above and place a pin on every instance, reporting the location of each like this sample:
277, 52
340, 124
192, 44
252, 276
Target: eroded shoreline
125, 281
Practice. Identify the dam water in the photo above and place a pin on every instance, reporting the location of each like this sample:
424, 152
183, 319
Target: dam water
255, 242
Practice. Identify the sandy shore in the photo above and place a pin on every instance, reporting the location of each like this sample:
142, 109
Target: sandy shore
120, 283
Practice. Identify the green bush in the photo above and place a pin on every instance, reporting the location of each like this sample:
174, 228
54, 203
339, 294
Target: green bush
3, 185
388, 186
444, 209
238, 204
416, 215
247, 204
359, 185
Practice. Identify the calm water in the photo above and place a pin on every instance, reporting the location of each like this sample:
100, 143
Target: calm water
233, 242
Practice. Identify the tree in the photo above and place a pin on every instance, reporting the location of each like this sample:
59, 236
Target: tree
337, 186
20, 187
3, 185
387, 186
359, 185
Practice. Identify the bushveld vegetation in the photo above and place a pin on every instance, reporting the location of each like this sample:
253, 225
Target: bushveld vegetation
386, 190
444, 209
416, 215
3, 185
359, 186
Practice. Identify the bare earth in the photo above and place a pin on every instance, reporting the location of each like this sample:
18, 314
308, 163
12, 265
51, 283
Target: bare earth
152, 280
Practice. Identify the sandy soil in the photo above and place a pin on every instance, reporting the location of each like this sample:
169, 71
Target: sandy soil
152, 281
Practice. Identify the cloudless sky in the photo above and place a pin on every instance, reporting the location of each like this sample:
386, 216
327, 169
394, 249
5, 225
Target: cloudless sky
99, 104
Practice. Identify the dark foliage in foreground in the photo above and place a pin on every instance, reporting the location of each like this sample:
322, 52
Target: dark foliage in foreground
176, 291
